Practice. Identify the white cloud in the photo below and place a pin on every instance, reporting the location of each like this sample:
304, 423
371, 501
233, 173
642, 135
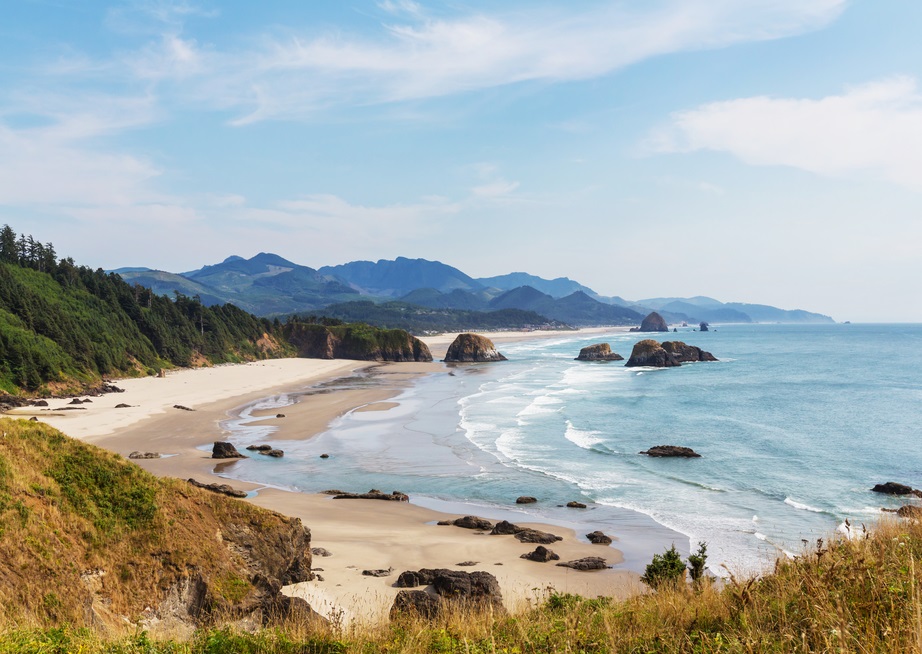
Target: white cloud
870, 130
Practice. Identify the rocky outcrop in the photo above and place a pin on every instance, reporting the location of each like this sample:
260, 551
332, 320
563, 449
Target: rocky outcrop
472, 348
225, 450
672, 450
893, 488
355, 342
653, 323
144, 455
451, 590
587, 563
598, 352
541, 555
276, 454
223, 489
505, 528
526, 499
536, 537
373, 494
575, 505
703, 326
473, 522
259, 448
649, 353
598, 538
381, 572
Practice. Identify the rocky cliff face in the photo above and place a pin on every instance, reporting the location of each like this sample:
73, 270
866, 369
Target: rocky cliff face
356, 342
472, 348
598, 352
654, 323
671, 353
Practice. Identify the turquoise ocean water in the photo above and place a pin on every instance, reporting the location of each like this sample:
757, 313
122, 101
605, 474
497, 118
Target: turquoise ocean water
794, 425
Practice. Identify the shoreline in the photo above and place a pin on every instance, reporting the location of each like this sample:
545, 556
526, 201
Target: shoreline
362, 534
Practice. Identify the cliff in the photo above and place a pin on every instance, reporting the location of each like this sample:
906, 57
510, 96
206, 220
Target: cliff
90, 539
472, 348
357, 341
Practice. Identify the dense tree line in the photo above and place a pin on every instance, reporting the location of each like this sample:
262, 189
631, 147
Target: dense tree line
60, 322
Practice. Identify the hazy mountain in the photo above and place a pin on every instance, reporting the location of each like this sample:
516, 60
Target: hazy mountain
560, 287
401, 276
765, 313
457, 299
700, 301
575, 309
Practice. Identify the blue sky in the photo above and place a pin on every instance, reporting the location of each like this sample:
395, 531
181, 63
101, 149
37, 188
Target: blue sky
751, 150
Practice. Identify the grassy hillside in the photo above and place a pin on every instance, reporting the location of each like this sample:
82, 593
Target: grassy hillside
90, 539
858, 596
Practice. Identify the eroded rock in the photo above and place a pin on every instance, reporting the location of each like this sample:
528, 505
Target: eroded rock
598, 352
471, 348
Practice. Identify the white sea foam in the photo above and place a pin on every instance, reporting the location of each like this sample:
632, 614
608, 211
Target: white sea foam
801, 506
585, 438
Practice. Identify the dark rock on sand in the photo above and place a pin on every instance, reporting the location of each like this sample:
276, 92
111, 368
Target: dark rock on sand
279, 415
598, 352
223, 489
535, 536
444, 523
122, 406
33, 419
182, 408
893, 488
225, 450
473, 522
466, 564
587, 563
505, 528
416, 603
598, 538
575, 505
378, 573
40, 403
525, 499
76, 400
396, 496
319, 551
469, 348
653, 323
672, 450
144, 455
541, 555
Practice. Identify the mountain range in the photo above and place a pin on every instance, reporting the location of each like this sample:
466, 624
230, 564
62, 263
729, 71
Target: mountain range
269, 285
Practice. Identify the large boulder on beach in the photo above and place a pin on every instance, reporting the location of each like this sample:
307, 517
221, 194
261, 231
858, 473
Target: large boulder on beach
473, 522
598, 352
598, 538
653, 323
536, 537
671, 451
650, 353
225, 450
451, 589
541, 554
505, 528
472, 348
585, 564
415, 603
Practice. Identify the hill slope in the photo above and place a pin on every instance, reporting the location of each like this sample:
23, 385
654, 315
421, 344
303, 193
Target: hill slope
87, 538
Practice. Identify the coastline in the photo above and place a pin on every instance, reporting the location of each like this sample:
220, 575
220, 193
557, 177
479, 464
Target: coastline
361, 534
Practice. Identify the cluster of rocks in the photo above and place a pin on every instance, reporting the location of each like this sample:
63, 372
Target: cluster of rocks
649, 353
450, 590
901, 490
266, 450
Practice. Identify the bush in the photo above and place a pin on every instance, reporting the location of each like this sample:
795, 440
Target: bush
696, 562
666, 568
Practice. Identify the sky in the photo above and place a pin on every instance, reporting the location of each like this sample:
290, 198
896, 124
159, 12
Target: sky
764, 151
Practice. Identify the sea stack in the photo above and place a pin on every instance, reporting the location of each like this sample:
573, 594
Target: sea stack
671, 353
469, 348
598, 352
653, 323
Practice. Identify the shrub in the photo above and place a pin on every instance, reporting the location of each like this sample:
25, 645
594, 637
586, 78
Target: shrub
666, 568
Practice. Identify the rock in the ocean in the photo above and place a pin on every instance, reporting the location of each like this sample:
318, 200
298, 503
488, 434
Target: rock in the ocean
259, 448
598, 538
587, 563
598, 352
468, 348
277, 454
893, 488
671, 353
541, 555
225, 450
672, 450
575, 505
324, 456
473, 522
653, 323
525, 499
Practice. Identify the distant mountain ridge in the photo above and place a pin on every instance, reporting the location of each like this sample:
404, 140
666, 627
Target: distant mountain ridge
270, 285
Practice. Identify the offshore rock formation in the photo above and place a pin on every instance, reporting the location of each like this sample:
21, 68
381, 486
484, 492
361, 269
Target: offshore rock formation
671, 353
893, 488
673, 451
358, 341
652, 323
598, 352
469, 348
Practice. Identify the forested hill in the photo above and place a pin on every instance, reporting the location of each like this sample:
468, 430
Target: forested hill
65, 327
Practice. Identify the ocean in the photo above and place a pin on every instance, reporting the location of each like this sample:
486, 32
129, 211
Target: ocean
794, 425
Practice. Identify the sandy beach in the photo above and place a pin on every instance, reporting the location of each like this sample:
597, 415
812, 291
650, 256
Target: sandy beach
360, 534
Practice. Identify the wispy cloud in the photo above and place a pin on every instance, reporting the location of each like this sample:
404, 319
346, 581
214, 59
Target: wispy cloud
870, 130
